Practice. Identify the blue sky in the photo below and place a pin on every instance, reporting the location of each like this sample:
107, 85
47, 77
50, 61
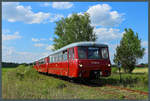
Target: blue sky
28, 27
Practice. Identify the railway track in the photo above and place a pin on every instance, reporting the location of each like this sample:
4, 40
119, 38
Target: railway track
130, 90
118, 88
115, 87
90, 84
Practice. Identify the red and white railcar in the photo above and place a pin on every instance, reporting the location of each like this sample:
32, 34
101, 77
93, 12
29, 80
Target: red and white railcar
82, 59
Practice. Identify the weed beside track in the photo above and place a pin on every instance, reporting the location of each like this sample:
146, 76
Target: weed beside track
26, 83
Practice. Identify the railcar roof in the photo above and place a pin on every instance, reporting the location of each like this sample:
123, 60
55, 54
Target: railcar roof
86, 43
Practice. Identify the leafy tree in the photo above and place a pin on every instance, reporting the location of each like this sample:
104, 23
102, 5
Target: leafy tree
73, 29
129, 51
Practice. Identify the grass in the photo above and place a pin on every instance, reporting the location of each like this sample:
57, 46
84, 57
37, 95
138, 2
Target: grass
26, 83
136, 70
140, 70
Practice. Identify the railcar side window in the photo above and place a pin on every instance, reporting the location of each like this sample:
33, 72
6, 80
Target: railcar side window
104, 53
64, 55
71, 53
57, 59
60, 56
93, 53
52, 59
82, 52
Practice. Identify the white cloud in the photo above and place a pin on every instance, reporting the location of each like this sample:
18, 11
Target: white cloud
101, 15
37, 40
50, 47
5, 31
43, 39
62, 5
144, 43
146, 51
39, 45
145, 57
11, 36
107, 34
46, 4
45, 54
56, 17
9, 54
15, 12
51, 39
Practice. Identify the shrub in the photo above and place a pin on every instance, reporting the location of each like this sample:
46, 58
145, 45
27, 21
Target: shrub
114, 69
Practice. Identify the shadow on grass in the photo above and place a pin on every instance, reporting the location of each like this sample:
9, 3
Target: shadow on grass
134, 73
103, 81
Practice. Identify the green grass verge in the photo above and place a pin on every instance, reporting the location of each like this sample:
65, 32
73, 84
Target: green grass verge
26, 83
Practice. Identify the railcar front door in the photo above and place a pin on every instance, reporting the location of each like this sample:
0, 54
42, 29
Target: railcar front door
71, 67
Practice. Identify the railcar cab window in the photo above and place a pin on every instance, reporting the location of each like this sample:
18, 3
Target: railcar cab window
93, 53
104, 53
82, 53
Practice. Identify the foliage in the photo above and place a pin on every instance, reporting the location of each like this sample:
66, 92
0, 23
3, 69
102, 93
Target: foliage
129, 51
73, 29
9, 64
13, 64
135, 80
114, 70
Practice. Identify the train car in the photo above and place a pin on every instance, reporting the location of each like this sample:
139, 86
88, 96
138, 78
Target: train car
78, 60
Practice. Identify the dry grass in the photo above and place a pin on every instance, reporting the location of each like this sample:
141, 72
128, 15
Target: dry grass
25, 83
140, 70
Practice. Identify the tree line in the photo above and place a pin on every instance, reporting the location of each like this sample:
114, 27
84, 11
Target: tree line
13, 65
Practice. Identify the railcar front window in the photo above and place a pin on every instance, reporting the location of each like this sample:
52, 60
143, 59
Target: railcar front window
93, 53
82, 52
104, 53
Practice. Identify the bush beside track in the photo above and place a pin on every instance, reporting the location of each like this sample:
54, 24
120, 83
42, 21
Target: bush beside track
24, 82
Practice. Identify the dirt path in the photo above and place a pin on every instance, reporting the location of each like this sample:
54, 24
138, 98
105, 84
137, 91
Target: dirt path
124, 93
127, 89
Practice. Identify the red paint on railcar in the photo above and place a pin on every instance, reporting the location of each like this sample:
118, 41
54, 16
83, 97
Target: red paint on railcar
69, 63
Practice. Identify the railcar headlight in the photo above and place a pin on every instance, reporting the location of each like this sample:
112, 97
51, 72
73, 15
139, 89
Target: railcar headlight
108, 65
80, 65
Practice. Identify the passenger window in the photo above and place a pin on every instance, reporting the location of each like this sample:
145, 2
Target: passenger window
60, 56
71, 53
65, 55
57, 59
52, 59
